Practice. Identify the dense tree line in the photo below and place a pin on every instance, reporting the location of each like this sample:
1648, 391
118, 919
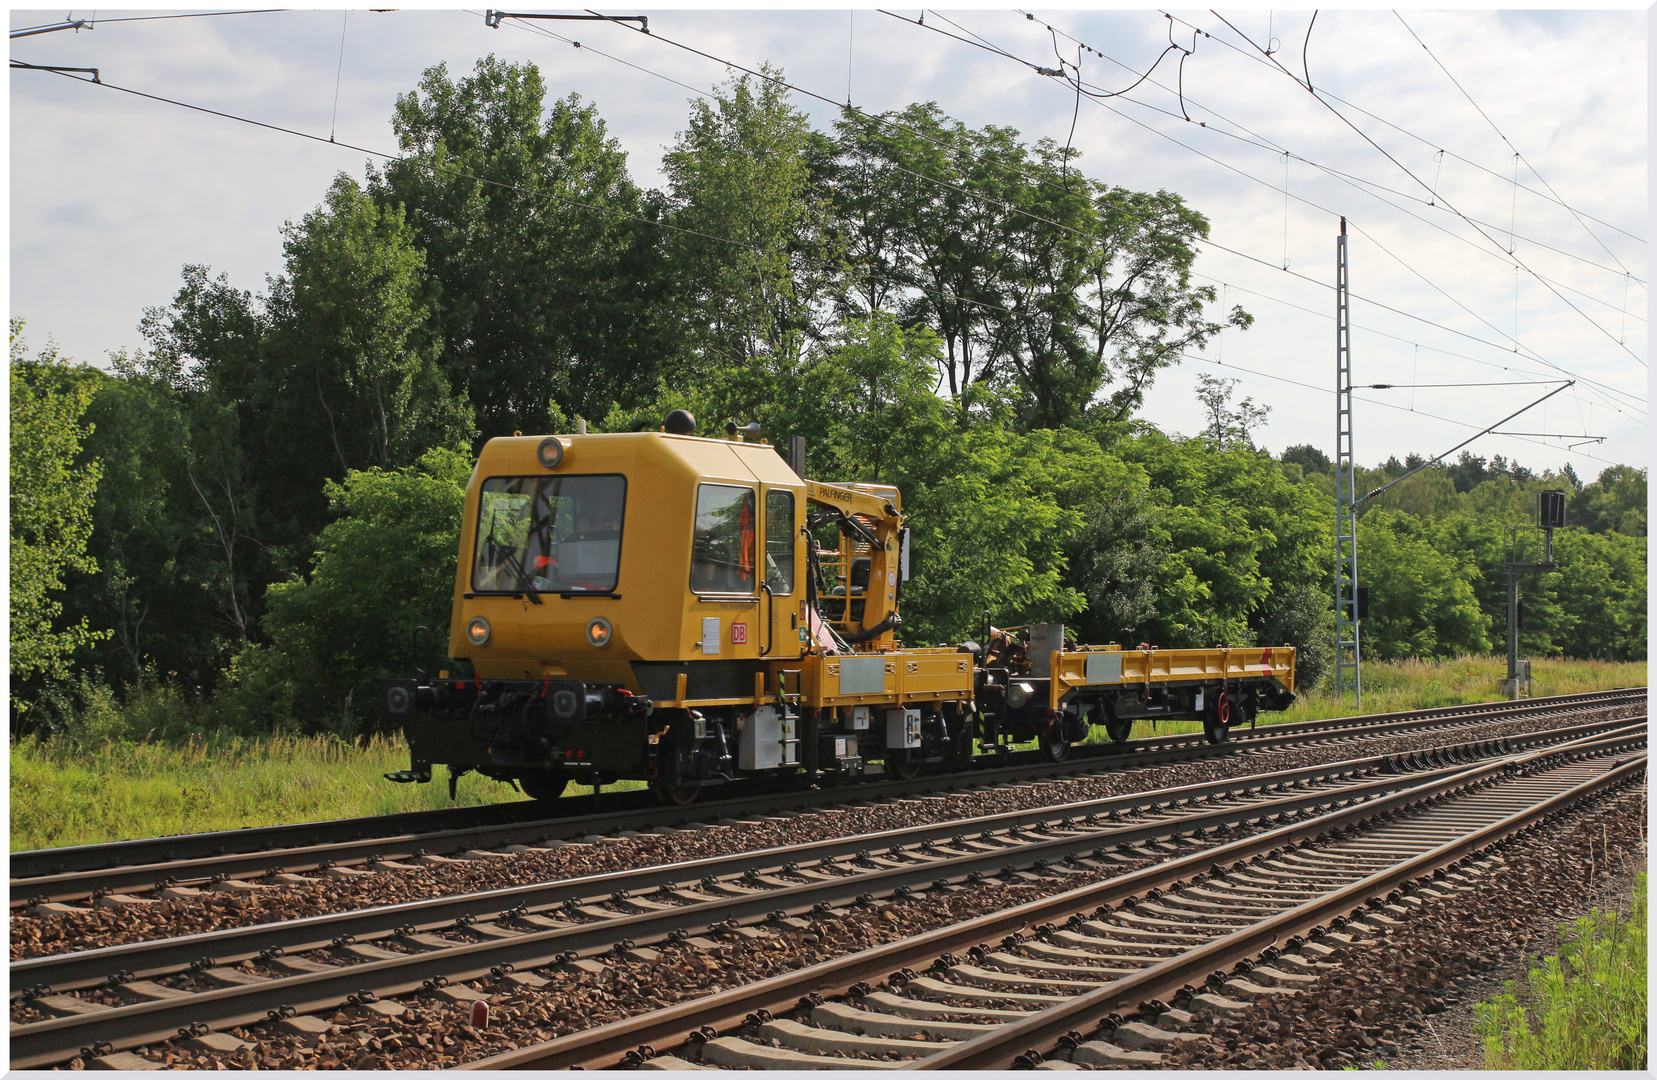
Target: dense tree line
250, 515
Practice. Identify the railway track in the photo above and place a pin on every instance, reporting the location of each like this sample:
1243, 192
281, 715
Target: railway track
97, 1003
1141, 962
103, 871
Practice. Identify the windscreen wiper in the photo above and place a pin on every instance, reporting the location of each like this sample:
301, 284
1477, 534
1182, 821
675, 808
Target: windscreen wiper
517, 564
523, 571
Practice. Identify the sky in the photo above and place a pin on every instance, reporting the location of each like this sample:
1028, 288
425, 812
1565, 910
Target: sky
1472, 295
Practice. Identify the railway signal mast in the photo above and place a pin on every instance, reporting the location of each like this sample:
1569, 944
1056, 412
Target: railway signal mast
1550, 515
1346, 533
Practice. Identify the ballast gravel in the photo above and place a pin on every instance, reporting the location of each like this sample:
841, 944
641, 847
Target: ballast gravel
33, 936
1407, 1000
1375, 1010
434, 1033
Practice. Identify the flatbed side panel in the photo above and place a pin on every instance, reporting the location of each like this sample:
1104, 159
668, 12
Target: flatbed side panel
907, 676
1141, 666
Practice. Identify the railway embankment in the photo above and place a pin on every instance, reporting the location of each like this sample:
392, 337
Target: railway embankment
1142, 900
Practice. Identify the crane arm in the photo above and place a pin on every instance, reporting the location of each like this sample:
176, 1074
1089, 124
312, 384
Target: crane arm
879, 508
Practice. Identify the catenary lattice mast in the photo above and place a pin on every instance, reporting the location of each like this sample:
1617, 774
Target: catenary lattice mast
1346, 536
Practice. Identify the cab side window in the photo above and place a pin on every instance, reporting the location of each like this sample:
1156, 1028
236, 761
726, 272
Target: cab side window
722, 548
779, 542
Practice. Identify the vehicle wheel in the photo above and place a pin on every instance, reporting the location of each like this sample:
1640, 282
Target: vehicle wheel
675, 792
1054, 748
1118, 728
545, 786
1216, 719
906, 768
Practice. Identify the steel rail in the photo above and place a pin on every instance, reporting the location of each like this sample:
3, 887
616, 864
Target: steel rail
76, 885
147, 959
76, 970
996, 1049
58, 1039
602, 1046
44, 862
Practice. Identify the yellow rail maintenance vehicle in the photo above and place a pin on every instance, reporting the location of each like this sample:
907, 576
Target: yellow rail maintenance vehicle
685, 610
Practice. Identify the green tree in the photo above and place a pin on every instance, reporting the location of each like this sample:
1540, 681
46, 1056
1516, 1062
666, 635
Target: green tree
1478, 541
1615, 502
922, 241
989, 530
1428, 494
385, 565
1240, 537
357, 360
160, 574
862, 396
1602, 592
1304, 617
750, 240
1308, 457
1421, 601
51, 508
1228, 426
1113, 563
542, 254
1040, 282
210, 348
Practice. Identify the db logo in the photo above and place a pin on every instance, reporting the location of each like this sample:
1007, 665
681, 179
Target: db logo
739, 633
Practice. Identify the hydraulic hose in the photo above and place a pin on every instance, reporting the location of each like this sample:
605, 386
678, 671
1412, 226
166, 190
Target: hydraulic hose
874, 631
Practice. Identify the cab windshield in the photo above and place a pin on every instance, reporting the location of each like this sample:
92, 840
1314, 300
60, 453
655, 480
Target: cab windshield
549, 534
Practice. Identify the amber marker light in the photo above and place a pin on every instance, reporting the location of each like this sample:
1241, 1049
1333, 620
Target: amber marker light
477, 631
599, 632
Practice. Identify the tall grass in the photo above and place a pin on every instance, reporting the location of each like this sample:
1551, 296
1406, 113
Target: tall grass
68, 791
1584, 1008
1401, 685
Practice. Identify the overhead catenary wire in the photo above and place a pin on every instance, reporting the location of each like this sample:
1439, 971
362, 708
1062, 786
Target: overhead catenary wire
1439, 150
1389, 405
1517, 157
1442, 385
732, 64
1327, 317
1261, 142
338, 72
1264, 145
458, 173
658, 36
979, 303
984, 44
1407, 172
383, 155
1434, 461
92, 24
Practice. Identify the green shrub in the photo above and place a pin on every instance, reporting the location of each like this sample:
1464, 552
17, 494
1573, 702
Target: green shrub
1584, 1008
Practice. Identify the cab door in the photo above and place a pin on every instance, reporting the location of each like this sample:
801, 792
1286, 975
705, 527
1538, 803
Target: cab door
783, 573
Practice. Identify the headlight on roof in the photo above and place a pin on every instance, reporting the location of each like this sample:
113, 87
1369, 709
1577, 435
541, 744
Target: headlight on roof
477, 631
550, 453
